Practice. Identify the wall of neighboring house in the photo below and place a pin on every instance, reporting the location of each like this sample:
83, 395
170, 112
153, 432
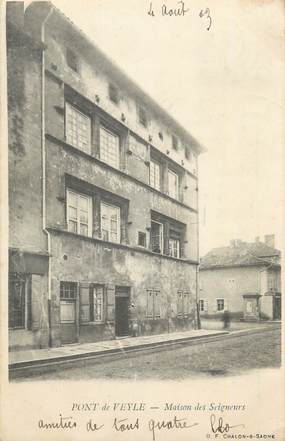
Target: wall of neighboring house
229, 284
28, 323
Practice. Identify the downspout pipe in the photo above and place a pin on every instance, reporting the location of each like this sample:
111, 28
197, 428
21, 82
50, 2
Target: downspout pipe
43, 145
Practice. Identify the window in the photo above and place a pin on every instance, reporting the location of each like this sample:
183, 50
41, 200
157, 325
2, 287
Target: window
97, 304
174, 142
156, 237
141, 239
19, 301
113, 93
220, 304
187, 153
174, 247
154, 174
72, 60
77, 128
79, 213
109, 147
183, 303
142, 116
110, 223
153, 304
68, 294
203, 305
272, 281
68, 290
172, 184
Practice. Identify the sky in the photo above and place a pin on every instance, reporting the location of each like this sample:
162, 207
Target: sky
225, 85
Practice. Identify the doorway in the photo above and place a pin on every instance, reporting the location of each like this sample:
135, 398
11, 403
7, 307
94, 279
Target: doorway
277, 307
122, 298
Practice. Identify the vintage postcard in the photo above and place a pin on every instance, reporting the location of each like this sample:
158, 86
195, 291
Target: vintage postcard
142, 220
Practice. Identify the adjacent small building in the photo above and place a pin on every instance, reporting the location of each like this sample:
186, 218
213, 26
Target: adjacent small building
243, 278
103, 193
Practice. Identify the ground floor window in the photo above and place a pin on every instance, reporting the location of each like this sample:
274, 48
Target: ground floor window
203, 305
183, 303
19, 301
92, 303
153, 304
220, 304
97, 304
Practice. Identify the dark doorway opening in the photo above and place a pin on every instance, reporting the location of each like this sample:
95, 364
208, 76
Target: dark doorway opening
122, 298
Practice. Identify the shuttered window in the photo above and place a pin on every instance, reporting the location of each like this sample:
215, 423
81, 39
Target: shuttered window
173, 184
183, 303
153, 304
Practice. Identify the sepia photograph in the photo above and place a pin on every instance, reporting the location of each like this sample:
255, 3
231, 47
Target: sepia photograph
144, 219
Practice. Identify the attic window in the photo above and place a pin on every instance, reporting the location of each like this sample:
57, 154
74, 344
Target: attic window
142, 116
113, 93
174, 142
187, 152
72, 60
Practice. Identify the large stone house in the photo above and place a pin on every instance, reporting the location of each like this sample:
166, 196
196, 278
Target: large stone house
103, 191
243, 278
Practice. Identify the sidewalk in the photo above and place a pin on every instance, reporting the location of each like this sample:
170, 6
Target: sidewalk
37, 358
33, 357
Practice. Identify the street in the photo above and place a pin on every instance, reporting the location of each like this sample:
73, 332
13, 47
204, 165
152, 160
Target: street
232, 355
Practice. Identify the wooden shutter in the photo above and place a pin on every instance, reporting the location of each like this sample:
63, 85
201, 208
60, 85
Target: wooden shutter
156, 300
226, 304
179, 303
149, 306
110, 303
35, 302
84, 303
206, 305
186, 303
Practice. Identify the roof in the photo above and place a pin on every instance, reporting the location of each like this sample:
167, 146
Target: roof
41, 8
241, 254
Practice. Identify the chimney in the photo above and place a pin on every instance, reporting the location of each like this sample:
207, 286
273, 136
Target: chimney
269, 239
257, 239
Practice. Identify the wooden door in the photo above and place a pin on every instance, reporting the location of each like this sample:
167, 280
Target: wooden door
122, 312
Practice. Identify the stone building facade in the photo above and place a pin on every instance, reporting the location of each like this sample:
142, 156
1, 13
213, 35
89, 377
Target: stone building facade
103, 193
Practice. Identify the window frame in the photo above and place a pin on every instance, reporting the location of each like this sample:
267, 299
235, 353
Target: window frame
201, 302
142, 116
76, 66
178, 243
217, 304
70, 107
115, 135
174, 195
142, 234
175, 142
26, 312
90, 207
161, 237
118, 208
113, 93
93, 302
157, 166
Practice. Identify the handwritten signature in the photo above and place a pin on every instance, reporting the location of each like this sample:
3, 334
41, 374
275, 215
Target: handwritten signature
219, 426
